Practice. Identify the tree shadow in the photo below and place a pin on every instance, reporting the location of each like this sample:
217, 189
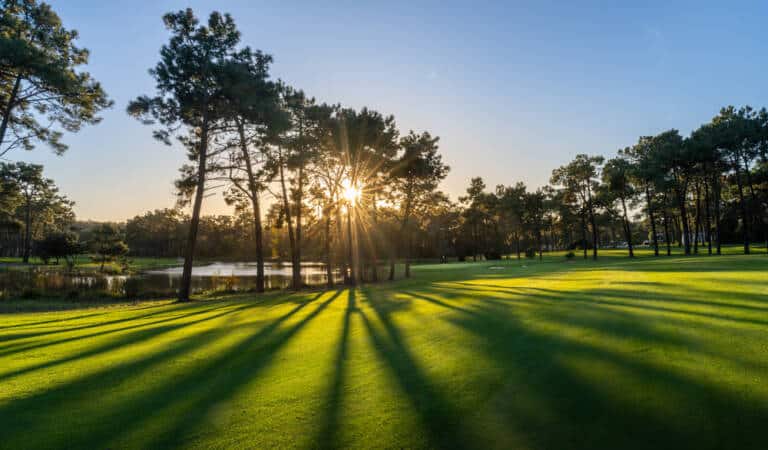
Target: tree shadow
147, 332
441, 421
200, 389
328, 433
23, 347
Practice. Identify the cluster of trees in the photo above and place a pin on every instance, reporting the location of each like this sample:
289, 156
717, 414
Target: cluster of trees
43, 93
31, 208
698, 191
343, 175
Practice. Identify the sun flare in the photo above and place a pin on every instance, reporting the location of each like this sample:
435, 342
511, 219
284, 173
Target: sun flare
350, 192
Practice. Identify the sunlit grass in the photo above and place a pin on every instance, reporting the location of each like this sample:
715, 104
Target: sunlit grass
650, 353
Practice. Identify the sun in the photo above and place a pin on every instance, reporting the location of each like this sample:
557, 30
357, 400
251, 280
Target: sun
350, 192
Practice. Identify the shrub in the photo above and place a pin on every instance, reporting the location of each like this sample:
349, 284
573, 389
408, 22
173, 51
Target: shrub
493, 255
570, 255
530, 252
31, 294
131, 288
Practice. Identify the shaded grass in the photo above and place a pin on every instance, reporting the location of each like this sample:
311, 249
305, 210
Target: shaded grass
650, 353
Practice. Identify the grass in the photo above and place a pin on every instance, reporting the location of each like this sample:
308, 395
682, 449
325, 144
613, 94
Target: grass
651, 353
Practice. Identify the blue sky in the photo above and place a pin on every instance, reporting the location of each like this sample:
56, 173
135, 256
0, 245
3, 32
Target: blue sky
513, 89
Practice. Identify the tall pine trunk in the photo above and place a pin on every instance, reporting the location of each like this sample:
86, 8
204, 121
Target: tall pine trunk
743, 206
194, 223
327, 249
666, 233
296, 278
681, 191
707, 217
652, 220
716, 201
627, 229
697, 222
255, 206
27, 230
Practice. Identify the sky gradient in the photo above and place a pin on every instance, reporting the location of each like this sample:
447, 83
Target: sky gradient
513, 89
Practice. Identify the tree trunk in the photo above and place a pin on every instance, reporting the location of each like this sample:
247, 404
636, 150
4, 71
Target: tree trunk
186, 275
351, 259
743, 206
594, 233
27, 230
296, 259
666, 233
584, 234
716, 192
7, 112
404, 229
697, 219
627, 229
340, 232
374, 241
295, 284
254, 196
686, 235
327, 249
652, 220
707, 217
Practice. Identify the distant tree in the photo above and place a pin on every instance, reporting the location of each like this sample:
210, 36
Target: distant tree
40, 202
676, 160
415, 176
534, 207
648, 177
511, 210
192, 80
59, 245
616, 181
579, 179
107, 243
476, 214
40, 80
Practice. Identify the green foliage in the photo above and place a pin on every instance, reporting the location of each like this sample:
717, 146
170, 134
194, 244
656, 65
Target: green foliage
40, 81
107, 242
59, 245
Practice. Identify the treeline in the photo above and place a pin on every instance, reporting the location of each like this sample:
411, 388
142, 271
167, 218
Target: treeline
320, 181
697, 191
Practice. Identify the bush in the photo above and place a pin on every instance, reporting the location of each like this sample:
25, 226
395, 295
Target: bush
530, 252
493, 255
570, 255
131, 288
31, 294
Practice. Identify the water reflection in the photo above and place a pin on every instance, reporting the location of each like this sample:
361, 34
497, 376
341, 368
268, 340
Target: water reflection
238, 276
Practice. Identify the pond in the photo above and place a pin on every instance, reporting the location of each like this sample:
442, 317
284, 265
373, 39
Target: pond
237, 276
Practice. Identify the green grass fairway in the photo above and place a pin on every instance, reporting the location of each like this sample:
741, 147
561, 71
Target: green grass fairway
618, 354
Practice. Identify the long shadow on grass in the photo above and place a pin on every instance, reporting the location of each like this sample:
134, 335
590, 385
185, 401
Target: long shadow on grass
442, 423
34, 421
147, 332
216, 383
23, 347
17, 336
328, 435
560, 391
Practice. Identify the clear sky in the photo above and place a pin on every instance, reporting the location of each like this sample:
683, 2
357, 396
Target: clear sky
513, 89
